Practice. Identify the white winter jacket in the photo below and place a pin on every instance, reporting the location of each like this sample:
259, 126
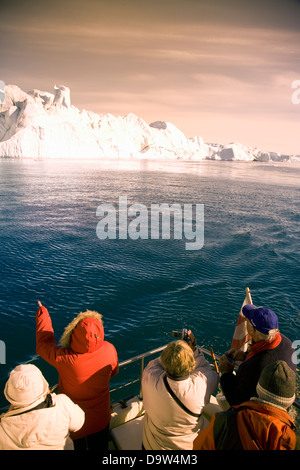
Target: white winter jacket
166, 424
43, 429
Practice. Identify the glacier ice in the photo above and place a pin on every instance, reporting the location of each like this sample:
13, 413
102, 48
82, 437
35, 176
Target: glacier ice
39, 124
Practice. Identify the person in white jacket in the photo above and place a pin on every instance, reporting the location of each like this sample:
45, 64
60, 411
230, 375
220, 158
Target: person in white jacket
37, 419
184, 370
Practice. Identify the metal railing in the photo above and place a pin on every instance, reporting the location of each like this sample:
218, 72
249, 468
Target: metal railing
141, 359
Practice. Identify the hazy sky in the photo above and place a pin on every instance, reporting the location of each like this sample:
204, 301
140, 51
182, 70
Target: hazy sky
221, 69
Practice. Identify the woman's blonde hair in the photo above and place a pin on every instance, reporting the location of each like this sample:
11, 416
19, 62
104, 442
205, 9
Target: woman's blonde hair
178, 359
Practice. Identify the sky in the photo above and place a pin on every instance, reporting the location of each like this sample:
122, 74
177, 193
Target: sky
222, 70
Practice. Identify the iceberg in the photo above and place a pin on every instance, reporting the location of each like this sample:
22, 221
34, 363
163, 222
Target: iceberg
39, 124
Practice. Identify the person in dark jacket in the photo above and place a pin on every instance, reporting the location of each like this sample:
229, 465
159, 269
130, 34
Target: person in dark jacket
261, 423
268, 345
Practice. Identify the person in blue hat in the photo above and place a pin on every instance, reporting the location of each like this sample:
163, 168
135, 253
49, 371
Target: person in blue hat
268, 345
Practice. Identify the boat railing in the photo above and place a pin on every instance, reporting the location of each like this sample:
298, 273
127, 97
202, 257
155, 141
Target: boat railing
141, 359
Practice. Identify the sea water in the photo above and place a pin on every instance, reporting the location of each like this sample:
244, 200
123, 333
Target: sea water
144, 288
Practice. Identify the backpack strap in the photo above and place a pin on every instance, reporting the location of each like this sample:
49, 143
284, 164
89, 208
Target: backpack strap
196, 415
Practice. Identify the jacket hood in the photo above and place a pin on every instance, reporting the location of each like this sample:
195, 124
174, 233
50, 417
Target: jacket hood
85, 334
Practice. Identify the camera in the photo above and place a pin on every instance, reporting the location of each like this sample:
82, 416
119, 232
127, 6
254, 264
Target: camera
181, 334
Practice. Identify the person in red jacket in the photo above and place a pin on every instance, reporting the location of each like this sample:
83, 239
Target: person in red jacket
85, 364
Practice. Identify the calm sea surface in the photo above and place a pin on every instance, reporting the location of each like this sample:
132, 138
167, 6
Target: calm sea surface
49, 251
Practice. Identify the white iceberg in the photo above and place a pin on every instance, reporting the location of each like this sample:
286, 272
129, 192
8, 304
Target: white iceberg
39, 124
235, 151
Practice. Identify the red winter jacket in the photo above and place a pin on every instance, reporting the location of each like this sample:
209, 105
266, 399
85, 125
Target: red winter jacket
84, 368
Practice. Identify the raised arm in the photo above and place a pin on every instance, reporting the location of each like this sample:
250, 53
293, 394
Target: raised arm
46, 346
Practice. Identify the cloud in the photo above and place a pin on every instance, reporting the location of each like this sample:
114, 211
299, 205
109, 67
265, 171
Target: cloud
162, 60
